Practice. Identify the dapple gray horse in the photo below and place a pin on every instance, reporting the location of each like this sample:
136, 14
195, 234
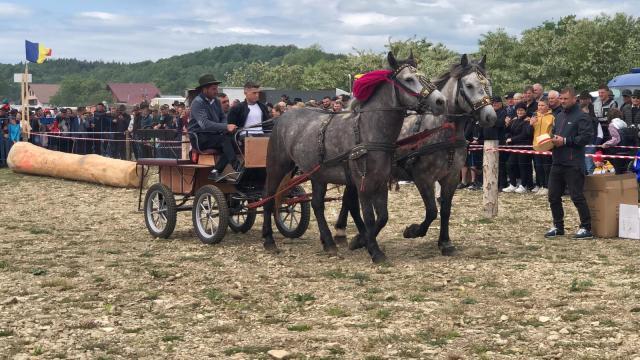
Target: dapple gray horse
468, 92
353, 147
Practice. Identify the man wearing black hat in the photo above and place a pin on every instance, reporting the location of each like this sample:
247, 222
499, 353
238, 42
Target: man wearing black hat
209, 124
631, 114
571, 132
511, 105
626, 99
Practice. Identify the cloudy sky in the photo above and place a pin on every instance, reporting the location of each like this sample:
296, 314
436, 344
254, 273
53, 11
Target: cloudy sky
135, 30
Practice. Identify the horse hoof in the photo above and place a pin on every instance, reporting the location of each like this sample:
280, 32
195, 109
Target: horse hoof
412, 231
379, 258
331, 250
271, 247
356, 243
340, 240
448, 250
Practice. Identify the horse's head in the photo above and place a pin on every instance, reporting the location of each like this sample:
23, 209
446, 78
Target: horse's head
474, 92
416, 91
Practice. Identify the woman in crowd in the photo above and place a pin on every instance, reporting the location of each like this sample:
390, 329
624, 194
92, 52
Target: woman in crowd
618, 134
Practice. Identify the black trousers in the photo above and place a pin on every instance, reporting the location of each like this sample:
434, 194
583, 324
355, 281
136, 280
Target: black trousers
219, 142
502, 170
542, 164
520, 164
573, 177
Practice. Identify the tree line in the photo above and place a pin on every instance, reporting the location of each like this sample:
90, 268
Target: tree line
579, 52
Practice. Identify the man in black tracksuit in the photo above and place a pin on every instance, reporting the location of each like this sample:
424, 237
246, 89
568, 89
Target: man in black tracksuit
571, 132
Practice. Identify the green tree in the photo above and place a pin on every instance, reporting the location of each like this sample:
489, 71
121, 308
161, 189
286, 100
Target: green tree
77, 90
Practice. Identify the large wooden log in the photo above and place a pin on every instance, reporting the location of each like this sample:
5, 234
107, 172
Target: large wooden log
27, 158
490, 163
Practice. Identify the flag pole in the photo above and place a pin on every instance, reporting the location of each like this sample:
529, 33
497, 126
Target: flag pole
25, 101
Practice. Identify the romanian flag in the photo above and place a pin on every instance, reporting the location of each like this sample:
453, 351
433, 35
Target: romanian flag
36, 53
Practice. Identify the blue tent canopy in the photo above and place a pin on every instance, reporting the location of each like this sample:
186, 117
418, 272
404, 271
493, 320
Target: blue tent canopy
627, 80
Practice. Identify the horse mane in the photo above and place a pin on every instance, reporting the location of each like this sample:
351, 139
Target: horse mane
457, 71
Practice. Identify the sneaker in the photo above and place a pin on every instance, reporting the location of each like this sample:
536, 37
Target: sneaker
535, 189
520, 189
509, 189
583, 234
553, 232
462, 186
543, 191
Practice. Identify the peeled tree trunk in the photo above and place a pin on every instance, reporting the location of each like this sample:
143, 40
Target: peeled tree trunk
27, 158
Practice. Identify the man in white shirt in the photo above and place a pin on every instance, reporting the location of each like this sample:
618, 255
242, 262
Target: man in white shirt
251, 113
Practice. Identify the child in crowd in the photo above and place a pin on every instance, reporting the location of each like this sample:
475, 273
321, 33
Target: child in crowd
542, 123
602, 166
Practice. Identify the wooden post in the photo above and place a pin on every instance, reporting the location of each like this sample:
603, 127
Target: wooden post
490, 165
185, 146
127, 136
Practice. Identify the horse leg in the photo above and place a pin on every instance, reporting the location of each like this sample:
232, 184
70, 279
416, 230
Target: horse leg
275, 175
353, 205
431, 211
341, 223
317, 203
448, 190
369, 208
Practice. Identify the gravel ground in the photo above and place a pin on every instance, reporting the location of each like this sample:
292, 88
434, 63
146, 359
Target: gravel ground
80, 277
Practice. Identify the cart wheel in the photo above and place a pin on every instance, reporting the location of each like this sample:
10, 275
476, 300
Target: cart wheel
210, 214
293, 220
241, 219
160, 211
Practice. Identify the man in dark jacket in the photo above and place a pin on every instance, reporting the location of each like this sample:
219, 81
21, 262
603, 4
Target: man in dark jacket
631, 114
571, 132
251, 112
208, 123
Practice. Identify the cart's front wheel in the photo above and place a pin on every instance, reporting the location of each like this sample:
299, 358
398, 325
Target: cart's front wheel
210, 214
292, 220
160, 211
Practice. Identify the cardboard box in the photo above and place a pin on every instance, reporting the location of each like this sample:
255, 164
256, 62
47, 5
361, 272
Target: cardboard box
629, 224
604, 194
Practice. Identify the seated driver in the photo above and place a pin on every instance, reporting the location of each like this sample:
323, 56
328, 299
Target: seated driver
208, 123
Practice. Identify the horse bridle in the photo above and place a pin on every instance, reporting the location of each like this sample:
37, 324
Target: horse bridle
484, 101
427, 86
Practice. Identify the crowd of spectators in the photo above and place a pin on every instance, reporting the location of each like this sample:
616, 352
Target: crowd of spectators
104, 131
524, 117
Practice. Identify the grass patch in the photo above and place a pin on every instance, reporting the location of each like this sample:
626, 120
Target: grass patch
580, 285
417, 298
360, 278
98, 279
172, 338
469, 301
132, 330
3, 264
382, 314
518, 293
153, 295
158, 274
301, 299
6, 332
214, 295
224, 329
39, 272
575, 315
437, 337
335, 274
466, 279
299, 327
337, 312
249, 350
39, 231
38, 351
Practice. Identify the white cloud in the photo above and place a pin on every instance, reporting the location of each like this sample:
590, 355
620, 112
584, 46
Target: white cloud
105, 18
247, 31
13, 10
367, 19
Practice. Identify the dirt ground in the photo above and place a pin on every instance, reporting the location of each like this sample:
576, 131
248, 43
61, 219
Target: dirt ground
80, 277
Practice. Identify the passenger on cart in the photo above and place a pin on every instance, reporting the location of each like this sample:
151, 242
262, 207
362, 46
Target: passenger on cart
208, 123
251, 113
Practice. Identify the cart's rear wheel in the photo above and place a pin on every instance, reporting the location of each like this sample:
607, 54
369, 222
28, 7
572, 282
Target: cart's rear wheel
160, 211
241, 219
210, 214
293, 220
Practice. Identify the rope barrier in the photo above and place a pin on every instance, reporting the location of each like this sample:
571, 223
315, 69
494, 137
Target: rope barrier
546, 153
